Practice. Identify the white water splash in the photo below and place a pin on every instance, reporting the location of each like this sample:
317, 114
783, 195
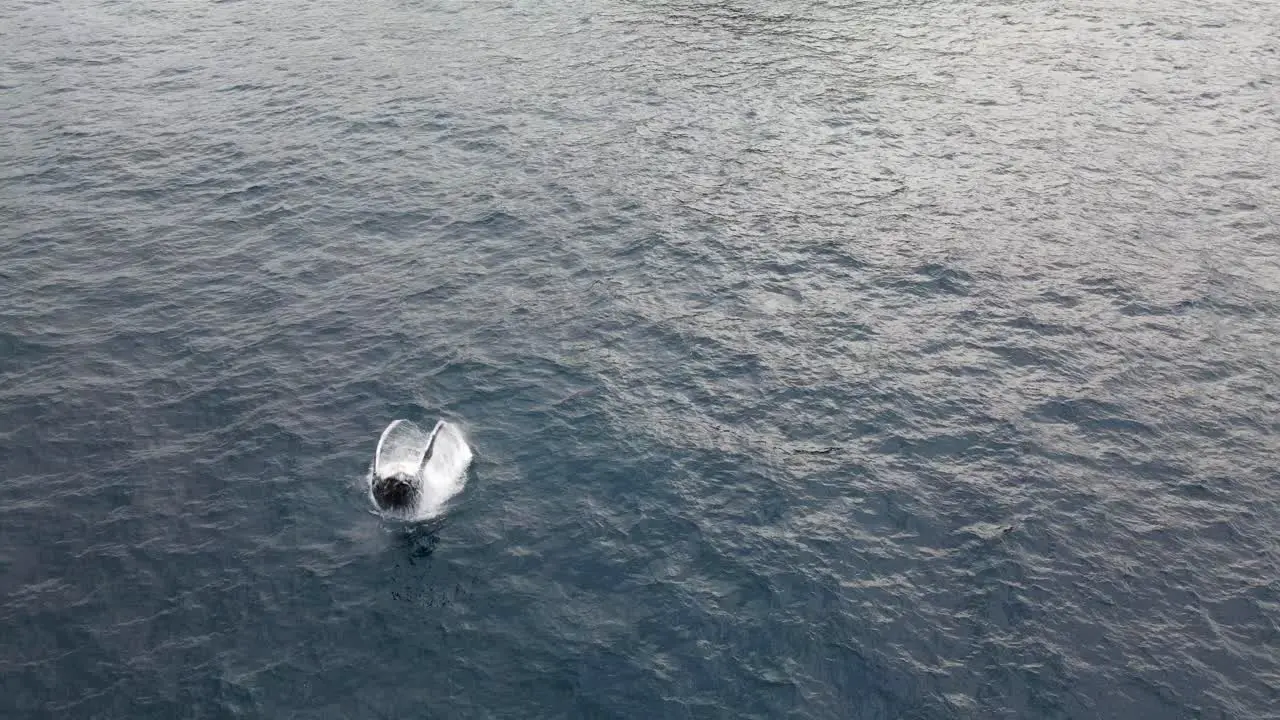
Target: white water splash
400, 450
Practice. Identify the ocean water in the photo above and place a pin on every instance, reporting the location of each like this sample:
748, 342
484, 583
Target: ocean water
903, 359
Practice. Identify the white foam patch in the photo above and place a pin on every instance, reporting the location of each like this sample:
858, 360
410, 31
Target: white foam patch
400, 450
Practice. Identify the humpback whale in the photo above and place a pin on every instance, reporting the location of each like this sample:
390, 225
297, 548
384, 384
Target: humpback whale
414, 472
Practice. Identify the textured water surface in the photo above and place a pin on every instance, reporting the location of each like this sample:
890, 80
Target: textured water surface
910, 359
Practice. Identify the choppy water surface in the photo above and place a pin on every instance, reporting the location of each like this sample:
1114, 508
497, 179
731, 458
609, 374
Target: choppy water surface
830, 360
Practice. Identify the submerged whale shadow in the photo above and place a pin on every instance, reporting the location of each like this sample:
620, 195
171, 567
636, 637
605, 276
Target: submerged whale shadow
419, 540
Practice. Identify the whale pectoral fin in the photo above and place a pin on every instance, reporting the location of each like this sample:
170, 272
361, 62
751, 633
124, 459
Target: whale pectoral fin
431, 446
382, 439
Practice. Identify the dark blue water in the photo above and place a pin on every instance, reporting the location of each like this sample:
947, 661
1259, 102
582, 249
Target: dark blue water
894, 359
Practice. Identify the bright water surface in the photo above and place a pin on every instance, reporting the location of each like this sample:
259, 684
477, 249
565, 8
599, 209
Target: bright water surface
902, 359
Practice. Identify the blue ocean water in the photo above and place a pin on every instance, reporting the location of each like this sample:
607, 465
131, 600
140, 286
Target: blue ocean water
908, 359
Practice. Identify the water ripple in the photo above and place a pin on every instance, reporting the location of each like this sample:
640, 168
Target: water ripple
889, 359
